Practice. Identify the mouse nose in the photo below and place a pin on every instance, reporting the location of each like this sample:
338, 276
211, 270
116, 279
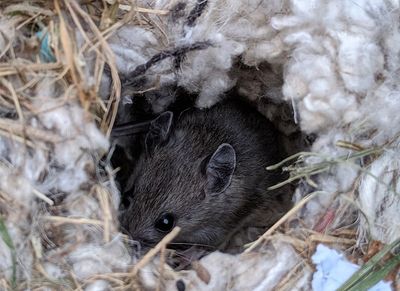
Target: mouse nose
144, 243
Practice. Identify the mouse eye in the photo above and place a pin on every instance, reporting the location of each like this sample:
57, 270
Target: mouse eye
165, 223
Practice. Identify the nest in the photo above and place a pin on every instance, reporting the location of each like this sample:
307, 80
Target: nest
67, 70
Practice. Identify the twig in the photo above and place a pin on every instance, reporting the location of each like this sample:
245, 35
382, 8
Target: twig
138, 9
32, 132
61, 219
324, 238
7, 69
15, 99
40, 195
111, 114
291, 212
146, 259
107, 215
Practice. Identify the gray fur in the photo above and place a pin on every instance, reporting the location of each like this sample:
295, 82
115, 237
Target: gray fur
170, 178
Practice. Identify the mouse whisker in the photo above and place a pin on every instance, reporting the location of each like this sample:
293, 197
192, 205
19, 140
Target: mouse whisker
192, 245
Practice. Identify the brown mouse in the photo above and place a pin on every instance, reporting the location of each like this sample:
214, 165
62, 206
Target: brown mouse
204, 171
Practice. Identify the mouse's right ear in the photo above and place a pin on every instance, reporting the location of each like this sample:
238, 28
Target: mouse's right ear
219, 170
158, 131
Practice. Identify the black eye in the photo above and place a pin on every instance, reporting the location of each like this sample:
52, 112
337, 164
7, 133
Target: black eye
165, 223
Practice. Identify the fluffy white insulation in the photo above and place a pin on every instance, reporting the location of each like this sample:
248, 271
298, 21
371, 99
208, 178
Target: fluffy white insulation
339, 61
34, 177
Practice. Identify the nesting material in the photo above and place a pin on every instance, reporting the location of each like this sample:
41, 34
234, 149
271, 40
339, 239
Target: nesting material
223, 271
336, 62
58, 206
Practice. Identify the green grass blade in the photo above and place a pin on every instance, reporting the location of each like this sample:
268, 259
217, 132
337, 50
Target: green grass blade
374, 277
292, 157
8, 241
370, 267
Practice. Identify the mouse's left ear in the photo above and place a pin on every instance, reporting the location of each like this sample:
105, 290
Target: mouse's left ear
158, 131
220, 168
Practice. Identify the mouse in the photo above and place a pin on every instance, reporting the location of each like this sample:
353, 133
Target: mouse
203, 170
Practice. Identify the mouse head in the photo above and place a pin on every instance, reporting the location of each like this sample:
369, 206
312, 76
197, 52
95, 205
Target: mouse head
178, 183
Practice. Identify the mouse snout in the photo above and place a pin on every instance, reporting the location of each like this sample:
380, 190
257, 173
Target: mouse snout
144, 243
145, 238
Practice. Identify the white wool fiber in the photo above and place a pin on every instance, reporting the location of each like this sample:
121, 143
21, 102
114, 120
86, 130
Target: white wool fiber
339, 65
238, 271
232, 28
91, 259
337, 62
36, 176
342, 77
379, 198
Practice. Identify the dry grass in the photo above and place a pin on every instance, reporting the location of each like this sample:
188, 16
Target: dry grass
45, 46
21, 69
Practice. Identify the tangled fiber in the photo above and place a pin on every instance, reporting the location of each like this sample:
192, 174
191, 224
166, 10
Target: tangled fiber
69, 69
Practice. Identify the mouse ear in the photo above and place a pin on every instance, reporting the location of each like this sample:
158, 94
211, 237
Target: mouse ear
158, 131
220, 169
